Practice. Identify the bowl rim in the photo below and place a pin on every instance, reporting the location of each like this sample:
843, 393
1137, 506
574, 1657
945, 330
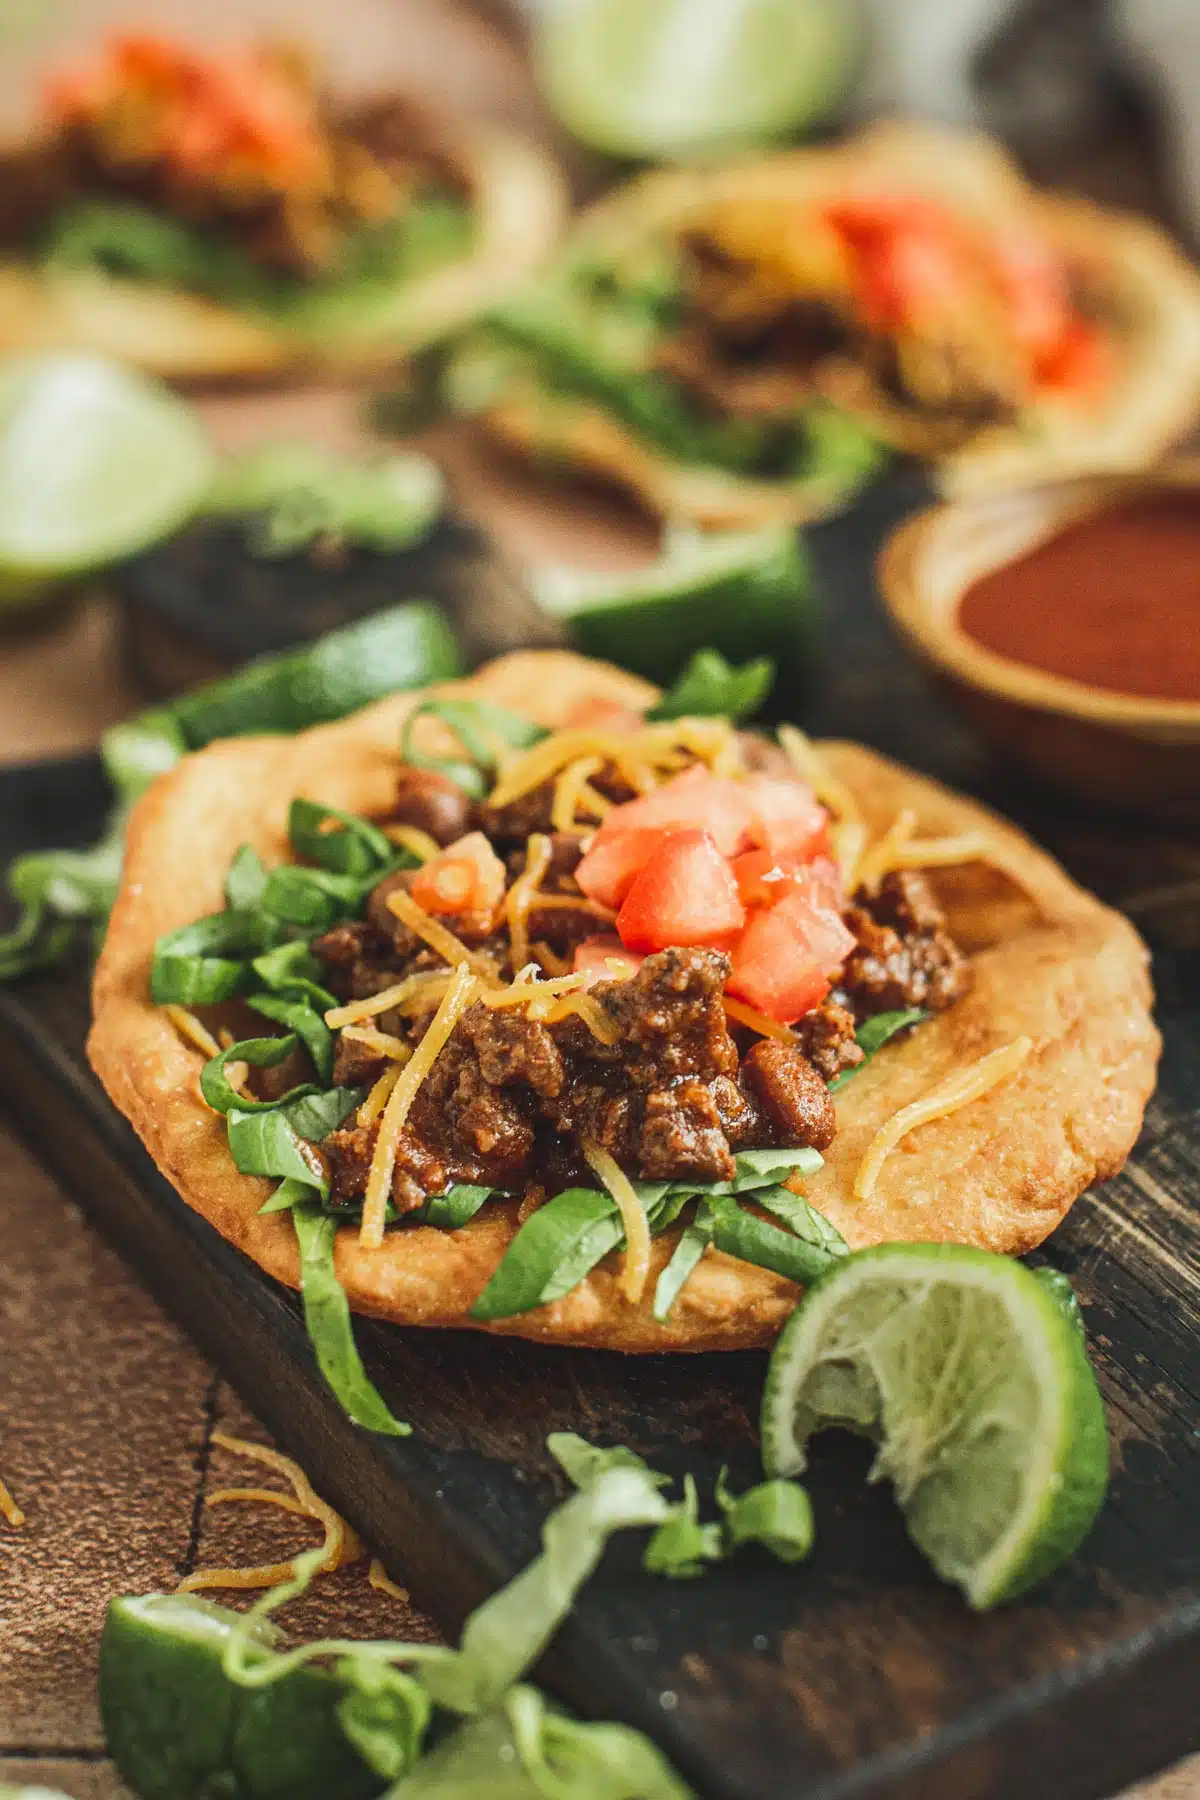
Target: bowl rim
926, 612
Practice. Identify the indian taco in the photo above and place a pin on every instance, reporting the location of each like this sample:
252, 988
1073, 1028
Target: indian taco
601, 1022
742, 344
214, 212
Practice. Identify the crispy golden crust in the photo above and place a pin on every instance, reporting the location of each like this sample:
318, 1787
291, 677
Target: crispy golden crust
519, 202
1048, 960
1153, 399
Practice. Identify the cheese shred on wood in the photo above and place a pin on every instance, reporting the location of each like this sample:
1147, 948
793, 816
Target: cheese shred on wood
9, 1508
457, 998
636, 1267
378, 1578
957, 1090
341, 1545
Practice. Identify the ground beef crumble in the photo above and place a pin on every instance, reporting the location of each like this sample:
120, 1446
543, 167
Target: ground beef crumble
510, 1099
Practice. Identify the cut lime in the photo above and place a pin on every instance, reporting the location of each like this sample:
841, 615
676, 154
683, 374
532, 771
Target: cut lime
179, 1729
972, 1377
744, 593
671, 79
96, 462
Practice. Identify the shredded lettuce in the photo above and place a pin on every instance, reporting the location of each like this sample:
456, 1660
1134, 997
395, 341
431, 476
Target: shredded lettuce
874, 1033
682, 1545
710, 685
477, 725
560, 1243
776, 1514
330, 1331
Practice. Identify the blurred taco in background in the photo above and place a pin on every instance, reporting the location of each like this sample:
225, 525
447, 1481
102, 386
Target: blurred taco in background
214, 213
742, 344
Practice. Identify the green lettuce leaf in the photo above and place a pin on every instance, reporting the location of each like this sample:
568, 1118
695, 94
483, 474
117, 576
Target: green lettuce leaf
327, 1321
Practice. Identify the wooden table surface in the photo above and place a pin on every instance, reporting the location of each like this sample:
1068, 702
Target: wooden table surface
107, 1413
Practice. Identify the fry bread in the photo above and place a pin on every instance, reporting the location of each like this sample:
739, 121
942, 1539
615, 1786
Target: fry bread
1049, 960
1152, 401
519, 203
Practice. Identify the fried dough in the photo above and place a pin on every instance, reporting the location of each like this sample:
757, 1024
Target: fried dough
1152, 401
519, 202
1049, 960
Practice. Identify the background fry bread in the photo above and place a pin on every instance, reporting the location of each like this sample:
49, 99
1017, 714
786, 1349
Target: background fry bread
1152, 400
1049, 960
518, 201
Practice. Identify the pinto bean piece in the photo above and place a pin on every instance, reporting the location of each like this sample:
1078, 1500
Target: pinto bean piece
432, 803
792, 1094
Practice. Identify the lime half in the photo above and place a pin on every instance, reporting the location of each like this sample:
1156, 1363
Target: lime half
178, 1729
96, 461
683, 78
972, 1377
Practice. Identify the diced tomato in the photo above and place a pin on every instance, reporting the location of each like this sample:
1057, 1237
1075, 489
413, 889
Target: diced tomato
605, 959
1080, 364
763, 879
789, 820
695, 798
603, 715
607, 872
775, 971
909, 255
468, 877
686, 894
783, 960
1032, 278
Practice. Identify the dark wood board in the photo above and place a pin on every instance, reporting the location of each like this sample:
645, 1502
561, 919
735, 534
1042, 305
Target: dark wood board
856, 1674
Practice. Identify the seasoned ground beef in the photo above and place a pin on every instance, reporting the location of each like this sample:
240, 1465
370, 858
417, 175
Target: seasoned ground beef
905, 956
826, 1036
512, 1100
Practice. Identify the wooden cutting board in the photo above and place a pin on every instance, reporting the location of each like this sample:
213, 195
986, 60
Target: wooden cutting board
856, 1674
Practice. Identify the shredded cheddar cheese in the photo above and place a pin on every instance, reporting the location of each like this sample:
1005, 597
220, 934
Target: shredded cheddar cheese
810, 766
341, 1543
413, 839
880, 857
439, 937
639, 757
191, 1029
526, 991
521, 896
757, 1021
568, 791
379, 1578
947, 1097
584, 1006
636, 1268
551, 961
457, 998
393, 999
378, 1097
9, 1508
381, 1042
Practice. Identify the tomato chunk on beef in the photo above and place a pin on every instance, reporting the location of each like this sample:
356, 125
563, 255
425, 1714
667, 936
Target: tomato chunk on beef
685, 895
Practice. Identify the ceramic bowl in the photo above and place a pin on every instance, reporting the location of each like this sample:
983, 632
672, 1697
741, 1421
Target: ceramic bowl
1118, 750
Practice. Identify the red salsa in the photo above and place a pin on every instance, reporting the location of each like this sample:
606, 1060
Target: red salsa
1113, 600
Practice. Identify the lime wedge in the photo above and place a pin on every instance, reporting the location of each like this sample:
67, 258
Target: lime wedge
971, 1375
96, 462
744, 593
178, 1729
669, 79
